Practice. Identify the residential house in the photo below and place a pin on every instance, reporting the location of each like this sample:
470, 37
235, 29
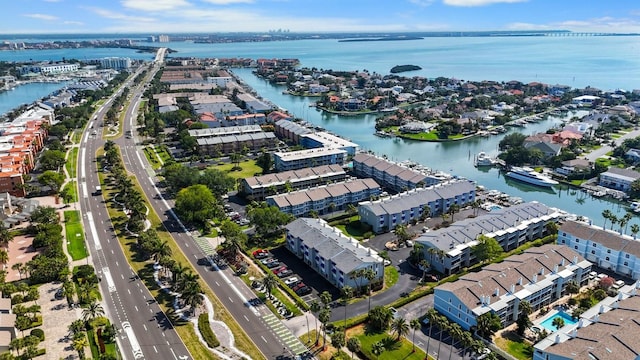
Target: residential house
332, 254
539, 276
574, 167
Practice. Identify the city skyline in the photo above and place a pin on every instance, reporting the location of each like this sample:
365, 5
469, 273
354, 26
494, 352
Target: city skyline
178, 16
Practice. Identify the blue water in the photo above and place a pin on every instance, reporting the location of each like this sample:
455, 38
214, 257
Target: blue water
568, 320
25, 94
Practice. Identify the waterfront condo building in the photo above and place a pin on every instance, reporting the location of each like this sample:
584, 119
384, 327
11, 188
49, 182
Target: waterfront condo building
294, 160
117, 63
607, 331
539, 275
618, 179
393, 176
332, 254
258, 187
385, 214
448, 250
325, 199
310, 139
605, 248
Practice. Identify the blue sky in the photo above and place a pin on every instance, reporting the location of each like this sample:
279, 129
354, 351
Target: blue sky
173, 16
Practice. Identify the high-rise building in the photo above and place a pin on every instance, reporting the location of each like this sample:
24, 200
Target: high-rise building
117, 63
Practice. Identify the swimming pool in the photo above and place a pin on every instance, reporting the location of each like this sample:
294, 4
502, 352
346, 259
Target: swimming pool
548, 323
495, 208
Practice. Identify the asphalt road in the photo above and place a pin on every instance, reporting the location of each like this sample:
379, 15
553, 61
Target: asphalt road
257, 321
144, 332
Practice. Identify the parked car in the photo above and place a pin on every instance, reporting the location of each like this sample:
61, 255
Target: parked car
618, 284
284, 273
279, 269
298, 286
268, 260
303, 291
273, 264
261, 254
394, 312
291, 281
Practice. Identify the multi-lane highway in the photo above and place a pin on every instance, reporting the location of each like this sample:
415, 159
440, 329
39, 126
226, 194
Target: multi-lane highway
144, 332
266, 331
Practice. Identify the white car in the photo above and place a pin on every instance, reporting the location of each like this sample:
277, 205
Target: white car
291, 280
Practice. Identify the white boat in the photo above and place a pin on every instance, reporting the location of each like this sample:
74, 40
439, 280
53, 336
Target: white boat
484, 160
635, 206
528, 175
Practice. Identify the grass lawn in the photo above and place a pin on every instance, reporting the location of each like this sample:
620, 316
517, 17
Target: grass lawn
186, 331
72, 162
578, 182
514, 346
401, 349
354, 228
430, 136
71, 189
163, 153
76, 135
611, 162
391, 276
249, 169
75, 235
150, 154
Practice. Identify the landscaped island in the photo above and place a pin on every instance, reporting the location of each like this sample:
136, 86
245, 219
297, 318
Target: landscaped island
402, 68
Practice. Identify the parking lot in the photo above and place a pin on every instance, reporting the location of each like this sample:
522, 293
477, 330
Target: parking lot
316, 283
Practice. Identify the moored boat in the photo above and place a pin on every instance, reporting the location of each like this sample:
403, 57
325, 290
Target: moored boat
482, 159
530, 176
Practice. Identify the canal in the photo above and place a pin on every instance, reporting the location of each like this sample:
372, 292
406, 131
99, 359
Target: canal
453, 157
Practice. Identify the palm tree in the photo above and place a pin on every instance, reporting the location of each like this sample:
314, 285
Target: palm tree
572, 288
400, 327
443, 325
353, 344
77, 326
92, 311
17, 267
606, 214
454, 208
424, 264
160, 249
270, 282
377, 348
177, 270
415, 325
466, 340
79, 344
558, 323
525, 307
324, 317
624, 221
357, 275
347, 293
369, 274
325, 298
431, 315
16, 345
191, 295
4, 256
614, 220
315, 308
635, 229
185, 279
5, 236
456, 334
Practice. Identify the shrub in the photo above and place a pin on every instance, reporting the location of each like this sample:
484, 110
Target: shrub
340, 355
39, 333
207, 334
17, 299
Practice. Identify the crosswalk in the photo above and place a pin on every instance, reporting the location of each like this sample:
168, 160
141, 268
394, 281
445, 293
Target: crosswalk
285, 334
204, 245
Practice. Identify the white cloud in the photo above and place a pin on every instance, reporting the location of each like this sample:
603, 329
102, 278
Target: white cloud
70, 22
154, 5
470, 3
422, 2
228, 2
108, 14
603, 24
41, 17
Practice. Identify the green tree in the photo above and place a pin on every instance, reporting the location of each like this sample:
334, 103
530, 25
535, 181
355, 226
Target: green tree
22, 323
377, 348
52, 179
607, 215
347, 294
265, 162
415, 325
488, 324
92, 311
400, 327
353, 344
315, 308
217, 181
379, 318
558, 322
487, 249
52, 160
338, 339
268, 219
270, 282
635, 229
79, 344
324, 316
196, 204
512, 140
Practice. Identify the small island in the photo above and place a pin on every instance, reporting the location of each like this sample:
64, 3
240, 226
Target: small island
402, 68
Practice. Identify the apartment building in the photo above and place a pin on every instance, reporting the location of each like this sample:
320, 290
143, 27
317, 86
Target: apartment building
539, 275
607, 331
385, 214
7, 325
117, 63
608, 249
392, 176
324, 139
618, 179
325, 199
332, 254
294, 160
225, 145
258, 187
289, 130
448, 250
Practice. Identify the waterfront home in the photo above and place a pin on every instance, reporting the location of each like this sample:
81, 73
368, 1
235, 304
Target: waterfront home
548, 149
539, 276
326, 198
449, 249
401, 209
608, 330
633, 155
585, 100
574, 167
618, 179
332, 254
258, 187
606, 248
